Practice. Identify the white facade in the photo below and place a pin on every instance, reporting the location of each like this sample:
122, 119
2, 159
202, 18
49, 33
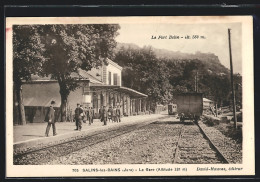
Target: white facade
109, 74
113, 74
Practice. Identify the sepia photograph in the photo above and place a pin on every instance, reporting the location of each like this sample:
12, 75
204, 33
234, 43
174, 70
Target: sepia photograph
129, 96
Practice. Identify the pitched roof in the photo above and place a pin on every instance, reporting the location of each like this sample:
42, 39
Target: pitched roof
81, 75
207, 100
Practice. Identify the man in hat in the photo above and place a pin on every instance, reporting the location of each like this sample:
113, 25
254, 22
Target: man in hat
118, 114
88, 115
104, 115
114, 118
50, 119
78, 117
91, 115
110, 112
85, 111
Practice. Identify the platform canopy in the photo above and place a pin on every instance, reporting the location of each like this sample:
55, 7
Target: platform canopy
102, 87
132, 92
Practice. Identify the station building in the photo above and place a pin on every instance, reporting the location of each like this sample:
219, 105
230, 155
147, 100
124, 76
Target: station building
99, 87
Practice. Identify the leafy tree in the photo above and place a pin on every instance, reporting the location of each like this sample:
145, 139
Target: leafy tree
27, 60
161, 78
145, 73
68, 48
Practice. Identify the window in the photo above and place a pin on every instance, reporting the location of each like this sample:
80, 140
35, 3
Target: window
115, 79
118, 80
109, 78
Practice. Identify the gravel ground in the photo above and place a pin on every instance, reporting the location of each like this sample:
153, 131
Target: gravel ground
230, 148
153, 144
48, 154
165, 141
194, 148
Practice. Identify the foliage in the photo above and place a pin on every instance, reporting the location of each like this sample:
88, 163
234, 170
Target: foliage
143, 72
60, 50
73, 47
161, 78
27, 53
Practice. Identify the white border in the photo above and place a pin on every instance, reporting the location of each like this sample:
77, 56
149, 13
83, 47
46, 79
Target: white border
66, 170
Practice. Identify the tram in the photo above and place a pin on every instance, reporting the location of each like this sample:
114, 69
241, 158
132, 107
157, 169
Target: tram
172, 109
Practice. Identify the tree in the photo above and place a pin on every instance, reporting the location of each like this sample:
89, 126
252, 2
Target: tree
68, 48
27, 60
144, 72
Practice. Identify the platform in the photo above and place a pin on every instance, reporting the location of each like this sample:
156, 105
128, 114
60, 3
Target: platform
34, 134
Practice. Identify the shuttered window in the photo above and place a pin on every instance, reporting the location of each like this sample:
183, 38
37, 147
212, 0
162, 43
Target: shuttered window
109, 78
115, 79
118, 80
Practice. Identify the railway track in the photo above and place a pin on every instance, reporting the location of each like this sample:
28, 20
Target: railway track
195, 147
48, 153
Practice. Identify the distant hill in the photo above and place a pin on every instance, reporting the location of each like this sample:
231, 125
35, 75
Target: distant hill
210, 60
175, 73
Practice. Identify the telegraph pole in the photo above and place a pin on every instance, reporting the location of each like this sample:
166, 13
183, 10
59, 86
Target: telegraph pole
196, 82
232, 84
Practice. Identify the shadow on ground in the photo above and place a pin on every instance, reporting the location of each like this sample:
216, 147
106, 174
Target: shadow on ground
35, 135
167, 122
172, 122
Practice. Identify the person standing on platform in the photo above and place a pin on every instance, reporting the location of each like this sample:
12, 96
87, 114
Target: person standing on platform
88, 118
91, 114
78, 117
100, 113
50, 118
82, 116
114, 119
110, 112
104, 115
85, 110
118, 114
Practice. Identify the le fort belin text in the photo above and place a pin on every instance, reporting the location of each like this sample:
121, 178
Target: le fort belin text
160, 37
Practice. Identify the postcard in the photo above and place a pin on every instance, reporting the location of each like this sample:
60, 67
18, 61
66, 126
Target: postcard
129, 96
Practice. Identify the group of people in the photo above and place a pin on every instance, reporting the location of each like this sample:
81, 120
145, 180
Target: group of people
81, 115
111, 114
114, 114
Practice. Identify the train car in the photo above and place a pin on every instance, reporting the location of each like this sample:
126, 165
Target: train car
190, 106
172, 109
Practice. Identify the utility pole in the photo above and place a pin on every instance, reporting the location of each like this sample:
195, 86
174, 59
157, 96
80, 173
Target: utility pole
232, 84
196, 82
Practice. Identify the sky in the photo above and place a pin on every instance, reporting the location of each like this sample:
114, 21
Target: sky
216, 39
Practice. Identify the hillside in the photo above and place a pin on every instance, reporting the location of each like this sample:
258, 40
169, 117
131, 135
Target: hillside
210, 60
162, 73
